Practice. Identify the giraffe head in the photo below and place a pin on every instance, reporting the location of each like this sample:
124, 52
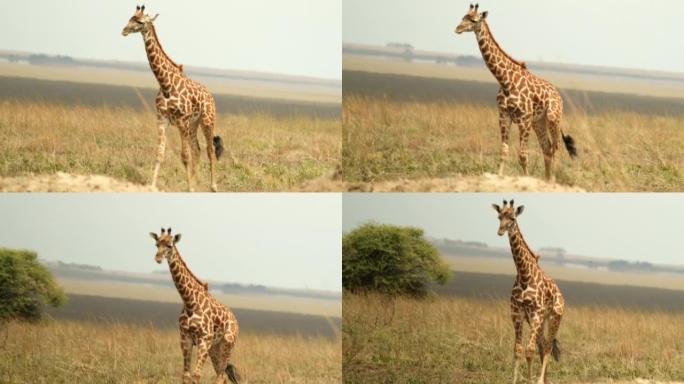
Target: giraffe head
139, 22
472, 20
507, 216
165, 244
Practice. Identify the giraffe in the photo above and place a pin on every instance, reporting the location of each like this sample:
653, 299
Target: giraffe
180, 101
523, 99
535, 298
204, 321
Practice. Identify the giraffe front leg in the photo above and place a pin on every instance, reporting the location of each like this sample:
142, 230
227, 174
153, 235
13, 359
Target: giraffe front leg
186, 347
536, 325
525, 127
162, 124
202, 353
518, 347
504, 126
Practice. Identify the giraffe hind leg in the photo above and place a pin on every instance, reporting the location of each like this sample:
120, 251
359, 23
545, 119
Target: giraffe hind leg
214, 150
194, 145
550, 345
227, 350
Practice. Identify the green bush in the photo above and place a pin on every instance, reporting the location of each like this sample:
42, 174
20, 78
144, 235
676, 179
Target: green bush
390, 259
26, 286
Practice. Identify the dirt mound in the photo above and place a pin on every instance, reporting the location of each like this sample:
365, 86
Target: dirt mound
65, 182
637, 381
485, 183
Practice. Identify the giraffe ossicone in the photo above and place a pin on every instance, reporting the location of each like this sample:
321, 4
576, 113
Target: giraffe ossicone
523, 98
535, 298
180, 101
204, 322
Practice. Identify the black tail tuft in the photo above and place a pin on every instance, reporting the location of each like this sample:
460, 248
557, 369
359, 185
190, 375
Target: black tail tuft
230, 369
555, 350
570, 145
218, 146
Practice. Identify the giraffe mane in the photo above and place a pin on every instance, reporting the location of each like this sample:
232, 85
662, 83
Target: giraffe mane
527, 246
522, 64
197, 279
166, 55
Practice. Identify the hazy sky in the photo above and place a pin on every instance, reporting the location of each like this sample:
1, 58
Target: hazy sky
300, 37
645, 227
279, 239
621, 33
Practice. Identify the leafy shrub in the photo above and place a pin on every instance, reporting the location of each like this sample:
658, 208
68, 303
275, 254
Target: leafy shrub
390, 259
26, 286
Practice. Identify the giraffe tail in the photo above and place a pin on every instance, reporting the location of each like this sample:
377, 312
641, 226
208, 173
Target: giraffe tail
218, 146
555, 350
570, 145
232, 373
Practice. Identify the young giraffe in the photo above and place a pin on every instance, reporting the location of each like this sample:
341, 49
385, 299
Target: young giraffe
180, 101
523, 99
204, 321
535, 297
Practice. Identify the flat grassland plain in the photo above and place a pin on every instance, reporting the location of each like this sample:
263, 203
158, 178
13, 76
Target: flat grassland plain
82, 121
462, 333
131, 336
418, 126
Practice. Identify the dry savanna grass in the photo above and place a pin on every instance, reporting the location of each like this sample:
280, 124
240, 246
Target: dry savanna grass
618, 151
458, 340
262, 152
83, 352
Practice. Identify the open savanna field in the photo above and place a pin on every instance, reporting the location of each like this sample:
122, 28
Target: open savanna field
452, 339
51, 127
413, 128
68, 351
94, 339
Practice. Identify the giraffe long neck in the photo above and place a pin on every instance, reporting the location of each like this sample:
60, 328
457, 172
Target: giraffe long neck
185, 281
500, 63
523, 257
162, 66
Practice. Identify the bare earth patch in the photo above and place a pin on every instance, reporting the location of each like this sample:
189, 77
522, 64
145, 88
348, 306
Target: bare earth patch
65, 182
637, 381
484, 183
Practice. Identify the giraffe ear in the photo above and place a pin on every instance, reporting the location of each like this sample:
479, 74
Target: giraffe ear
154, 236
484, 14
176, 238
519, 211
496, 208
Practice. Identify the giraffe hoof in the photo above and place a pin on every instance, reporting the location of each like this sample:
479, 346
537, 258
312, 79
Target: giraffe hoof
214, 188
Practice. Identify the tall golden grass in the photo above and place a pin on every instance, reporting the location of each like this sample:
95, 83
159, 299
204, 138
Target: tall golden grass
459, 340
83, 352
618, 151
263, 152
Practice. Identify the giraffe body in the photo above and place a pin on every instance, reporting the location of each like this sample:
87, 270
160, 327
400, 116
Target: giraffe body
180, 101
530, 102
535, 298
204, 322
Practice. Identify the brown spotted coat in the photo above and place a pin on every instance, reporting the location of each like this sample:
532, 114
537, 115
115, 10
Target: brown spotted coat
180, 101
523, 98
535, 297
204, 322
